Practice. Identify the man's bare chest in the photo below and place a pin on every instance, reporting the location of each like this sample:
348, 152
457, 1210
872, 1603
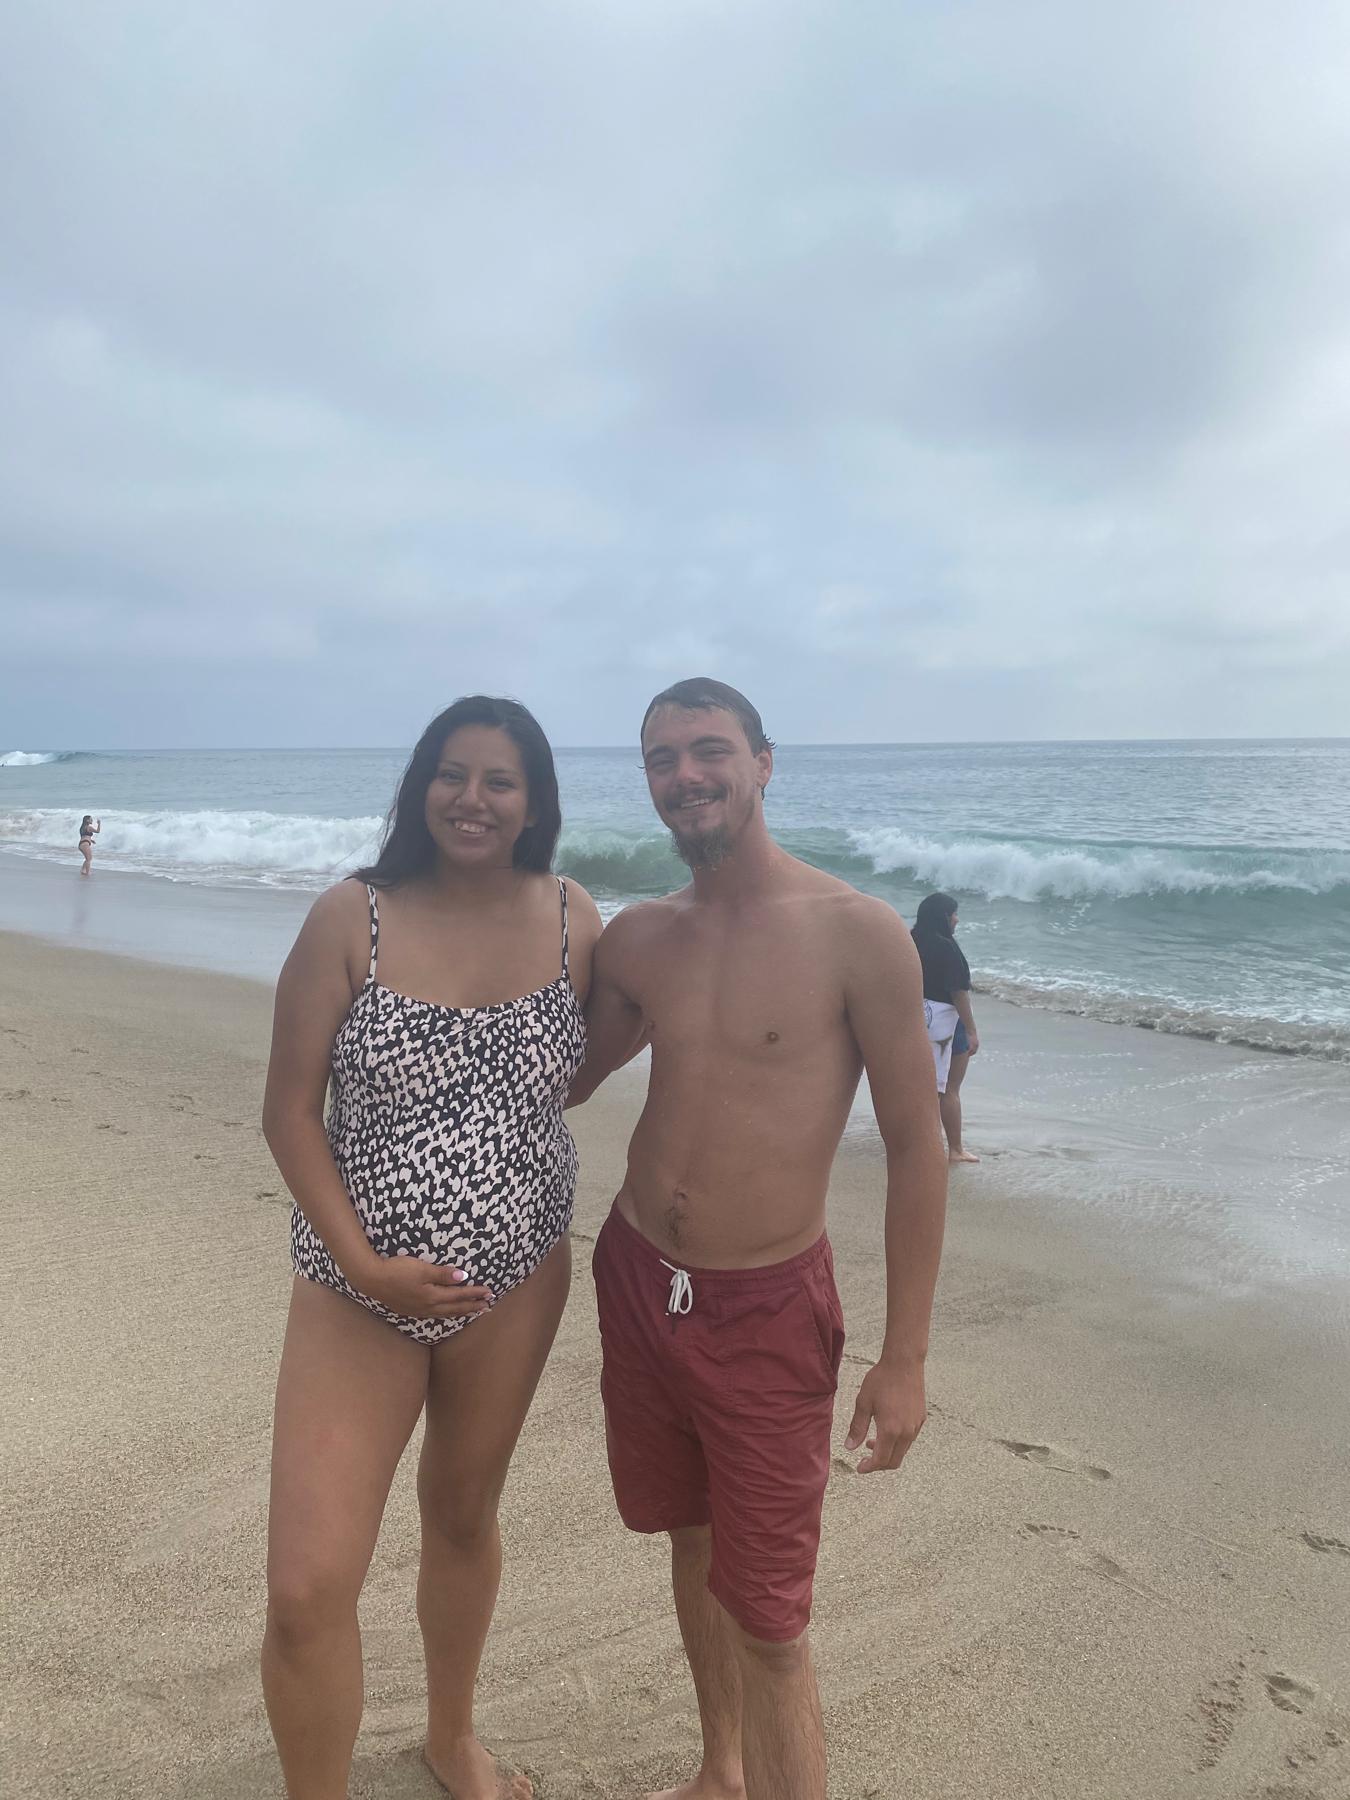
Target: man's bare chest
778, 998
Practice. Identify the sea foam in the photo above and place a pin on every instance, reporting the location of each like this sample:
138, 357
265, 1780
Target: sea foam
244, 844
1005, 871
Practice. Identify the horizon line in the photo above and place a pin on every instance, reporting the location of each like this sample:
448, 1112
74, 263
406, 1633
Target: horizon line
630, 744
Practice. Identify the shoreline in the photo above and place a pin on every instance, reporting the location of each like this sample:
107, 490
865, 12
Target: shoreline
246, 928
1073, 1109
1121, 1545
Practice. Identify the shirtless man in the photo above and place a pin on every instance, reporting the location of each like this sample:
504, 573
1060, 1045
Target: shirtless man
765, 988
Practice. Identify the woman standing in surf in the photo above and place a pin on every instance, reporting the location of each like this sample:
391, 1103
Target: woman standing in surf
89, 830
947, 1010
439, 991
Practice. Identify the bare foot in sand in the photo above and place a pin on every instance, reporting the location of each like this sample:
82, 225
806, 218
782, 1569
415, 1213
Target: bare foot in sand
702, 1787
954, 1156
469, 1772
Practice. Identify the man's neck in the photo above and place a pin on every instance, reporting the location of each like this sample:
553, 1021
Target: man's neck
750, 870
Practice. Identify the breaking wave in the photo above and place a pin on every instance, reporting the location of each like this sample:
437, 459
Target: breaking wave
266, 847
1004, 871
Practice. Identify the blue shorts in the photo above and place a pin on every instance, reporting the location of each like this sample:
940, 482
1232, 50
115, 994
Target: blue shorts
960, 1042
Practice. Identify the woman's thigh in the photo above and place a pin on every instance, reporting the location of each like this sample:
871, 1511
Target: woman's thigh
957, 1073
482, 1382
348, 1396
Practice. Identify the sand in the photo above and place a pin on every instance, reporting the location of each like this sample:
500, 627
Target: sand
1117, 1563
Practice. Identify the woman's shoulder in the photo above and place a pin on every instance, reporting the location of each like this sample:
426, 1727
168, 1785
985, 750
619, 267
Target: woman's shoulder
583, 915
351, 891
336, 932
578, 900
342, 904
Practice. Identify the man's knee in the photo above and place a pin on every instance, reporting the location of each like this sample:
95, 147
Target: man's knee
777, 1659
691, 1541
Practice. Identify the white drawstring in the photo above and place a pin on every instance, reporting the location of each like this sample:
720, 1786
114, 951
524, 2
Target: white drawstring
681, 1289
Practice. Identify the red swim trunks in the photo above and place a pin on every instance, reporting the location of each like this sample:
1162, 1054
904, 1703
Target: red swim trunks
719, 1393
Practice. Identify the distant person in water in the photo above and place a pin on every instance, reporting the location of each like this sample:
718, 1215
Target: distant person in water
947, 1011
89, 830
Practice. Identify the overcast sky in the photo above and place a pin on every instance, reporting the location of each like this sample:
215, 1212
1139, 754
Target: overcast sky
931, 371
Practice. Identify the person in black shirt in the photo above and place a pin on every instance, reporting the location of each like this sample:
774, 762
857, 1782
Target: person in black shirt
951, 1023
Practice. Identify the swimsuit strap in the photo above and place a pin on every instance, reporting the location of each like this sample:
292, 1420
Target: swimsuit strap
562, 889
374, 932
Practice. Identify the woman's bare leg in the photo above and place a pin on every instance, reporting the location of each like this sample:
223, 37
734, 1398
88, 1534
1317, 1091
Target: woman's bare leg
348, 1396
482, 1381
949, 1105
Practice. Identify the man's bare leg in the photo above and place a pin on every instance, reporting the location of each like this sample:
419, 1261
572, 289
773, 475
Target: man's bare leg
782, 1731
712, 1663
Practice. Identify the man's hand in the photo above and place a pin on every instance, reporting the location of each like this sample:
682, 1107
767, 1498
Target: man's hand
973, 1037
889, 1414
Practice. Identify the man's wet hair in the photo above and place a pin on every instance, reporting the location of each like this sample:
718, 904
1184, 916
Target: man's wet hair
702, 694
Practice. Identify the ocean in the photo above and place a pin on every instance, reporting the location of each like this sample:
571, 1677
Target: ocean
1200, 888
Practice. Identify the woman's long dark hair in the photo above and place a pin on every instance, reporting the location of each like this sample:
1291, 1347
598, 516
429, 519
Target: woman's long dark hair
935, 916
408, 849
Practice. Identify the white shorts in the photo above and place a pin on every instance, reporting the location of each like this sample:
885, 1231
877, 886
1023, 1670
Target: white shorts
941, 1021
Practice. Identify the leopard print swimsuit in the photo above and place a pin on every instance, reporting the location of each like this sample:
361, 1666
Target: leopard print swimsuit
446, 1126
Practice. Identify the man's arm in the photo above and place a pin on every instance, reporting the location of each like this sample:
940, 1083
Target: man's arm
884, 997
615, 1027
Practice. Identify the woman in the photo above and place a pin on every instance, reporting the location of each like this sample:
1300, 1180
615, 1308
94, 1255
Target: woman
951, 1023
89, 830
440, 990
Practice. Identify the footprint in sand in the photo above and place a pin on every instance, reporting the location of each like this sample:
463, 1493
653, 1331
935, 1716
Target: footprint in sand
1327, 1545
1051, 1456
1064, 1537
1289, 1695
1220, 1705
193, 1526
143, 1689
1059, 1537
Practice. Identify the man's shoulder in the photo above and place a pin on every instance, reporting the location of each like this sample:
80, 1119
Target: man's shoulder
640, 924
845, 907
867, 923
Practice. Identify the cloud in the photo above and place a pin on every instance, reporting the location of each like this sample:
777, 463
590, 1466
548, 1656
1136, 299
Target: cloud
969, 371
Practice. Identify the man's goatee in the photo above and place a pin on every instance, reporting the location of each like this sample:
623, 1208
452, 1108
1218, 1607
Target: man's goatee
709, 851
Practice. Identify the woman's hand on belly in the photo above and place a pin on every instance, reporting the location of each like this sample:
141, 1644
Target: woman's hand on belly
422, 1290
